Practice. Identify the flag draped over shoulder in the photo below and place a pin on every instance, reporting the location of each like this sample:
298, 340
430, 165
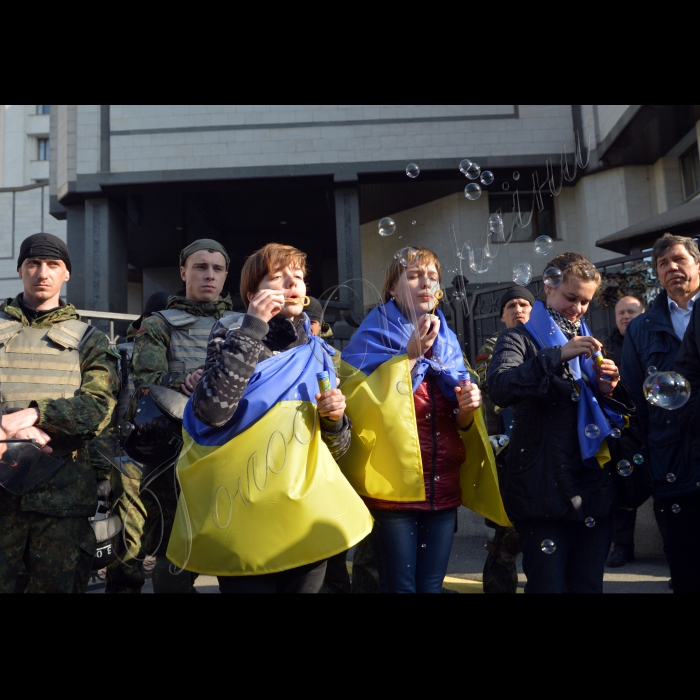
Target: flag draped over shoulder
384, 459
262, 493
594, 448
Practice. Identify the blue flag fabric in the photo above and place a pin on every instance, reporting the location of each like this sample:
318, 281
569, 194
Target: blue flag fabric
287, 376
547, 334
385, 333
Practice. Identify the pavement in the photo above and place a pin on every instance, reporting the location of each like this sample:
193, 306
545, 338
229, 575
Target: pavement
648, 574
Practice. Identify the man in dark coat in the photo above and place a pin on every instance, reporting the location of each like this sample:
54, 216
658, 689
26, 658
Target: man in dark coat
626, 309
653, 340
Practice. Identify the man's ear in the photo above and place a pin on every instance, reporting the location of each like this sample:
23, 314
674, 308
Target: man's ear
183, 277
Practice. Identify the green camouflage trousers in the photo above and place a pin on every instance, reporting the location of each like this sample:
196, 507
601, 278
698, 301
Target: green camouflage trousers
45, 554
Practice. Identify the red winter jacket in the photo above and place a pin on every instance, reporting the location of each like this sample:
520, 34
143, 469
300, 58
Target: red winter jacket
441, 448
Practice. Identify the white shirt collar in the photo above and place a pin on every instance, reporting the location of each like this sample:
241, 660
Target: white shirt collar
673, 306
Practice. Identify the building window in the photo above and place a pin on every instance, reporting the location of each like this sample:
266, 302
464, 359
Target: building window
690, 167
43, 109
541, 223
43, 149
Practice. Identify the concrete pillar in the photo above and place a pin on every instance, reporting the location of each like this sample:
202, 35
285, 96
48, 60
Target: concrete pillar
347, 224
96, 234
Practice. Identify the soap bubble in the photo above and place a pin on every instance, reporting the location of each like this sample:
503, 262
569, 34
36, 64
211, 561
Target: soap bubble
406, 256
458, 296
403, 389
424, 546
543, 245
670, 478
464, 165
499, 442
615, 432
552, 277
638, 459
575, 396
473, 171
592, 431
676, 508
479, 261
487, 177
496, 223
548, 546
522, 272
414, 222
387, 226
516, 175
651, 370
463, 251
505, 186
624, 468
472, 191
590, 522
668, 390
412, 170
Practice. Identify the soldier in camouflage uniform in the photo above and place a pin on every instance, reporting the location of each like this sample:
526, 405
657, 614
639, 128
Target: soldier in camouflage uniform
59, 382
170, 350
500, 572
125, 575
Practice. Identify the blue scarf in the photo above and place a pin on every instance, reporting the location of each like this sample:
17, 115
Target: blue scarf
547, 334
385, 333
287, 376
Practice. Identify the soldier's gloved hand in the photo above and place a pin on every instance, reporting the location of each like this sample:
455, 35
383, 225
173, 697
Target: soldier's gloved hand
104, 488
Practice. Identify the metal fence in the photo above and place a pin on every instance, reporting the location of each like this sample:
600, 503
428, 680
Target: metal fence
113, 325
478, 317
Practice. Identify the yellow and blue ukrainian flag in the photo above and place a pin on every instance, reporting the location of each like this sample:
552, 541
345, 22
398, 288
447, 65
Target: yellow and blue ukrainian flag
384, 459
262, 493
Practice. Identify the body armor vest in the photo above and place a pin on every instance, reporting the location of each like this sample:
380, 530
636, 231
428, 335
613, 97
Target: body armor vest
40, 363
189, 335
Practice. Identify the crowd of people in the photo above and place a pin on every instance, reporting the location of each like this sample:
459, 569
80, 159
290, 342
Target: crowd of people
242, 445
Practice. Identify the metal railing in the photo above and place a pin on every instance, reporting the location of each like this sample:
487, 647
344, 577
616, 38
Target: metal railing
89, 316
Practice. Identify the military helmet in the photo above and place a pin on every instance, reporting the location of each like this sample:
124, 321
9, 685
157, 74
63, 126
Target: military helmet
153, 425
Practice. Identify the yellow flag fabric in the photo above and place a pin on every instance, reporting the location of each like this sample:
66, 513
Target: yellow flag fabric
270, 499
384, 459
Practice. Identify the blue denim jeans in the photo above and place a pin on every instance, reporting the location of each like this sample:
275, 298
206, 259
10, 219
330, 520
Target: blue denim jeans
412, 549
578, 561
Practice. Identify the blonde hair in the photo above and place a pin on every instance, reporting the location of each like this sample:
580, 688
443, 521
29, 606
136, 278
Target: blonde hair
413, 256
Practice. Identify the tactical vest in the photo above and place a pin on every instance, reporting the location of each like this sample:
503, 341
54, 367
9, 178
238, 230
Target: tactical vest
188, 339
40, 363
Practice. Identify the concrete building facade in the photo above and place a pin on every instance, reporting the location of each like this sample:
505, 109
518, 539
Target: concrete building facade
137, 182
24, 186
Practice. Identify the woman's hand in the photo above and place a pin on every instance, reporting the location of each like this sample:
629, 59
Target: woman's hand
331, 404
580, 345
190, 383
423, 337
608, 376
469, 399
266, 304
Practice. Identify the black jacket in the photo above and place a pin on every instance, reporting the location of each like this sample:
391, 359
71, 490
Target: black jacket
613, 347
544, 471
688, 364
650, 341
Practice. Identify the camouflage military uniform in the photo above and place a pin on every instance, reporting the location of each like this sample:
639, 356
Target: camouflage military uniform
47, 530
500, 571
148, 510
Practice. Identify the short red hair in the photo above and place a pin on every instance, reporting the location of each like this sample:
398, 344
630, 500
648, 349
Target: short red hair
269, 259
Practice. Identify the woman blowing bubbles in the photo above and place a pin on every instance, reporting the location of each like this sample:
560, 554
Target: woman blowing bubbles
419, 445
263, 503
558, 487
